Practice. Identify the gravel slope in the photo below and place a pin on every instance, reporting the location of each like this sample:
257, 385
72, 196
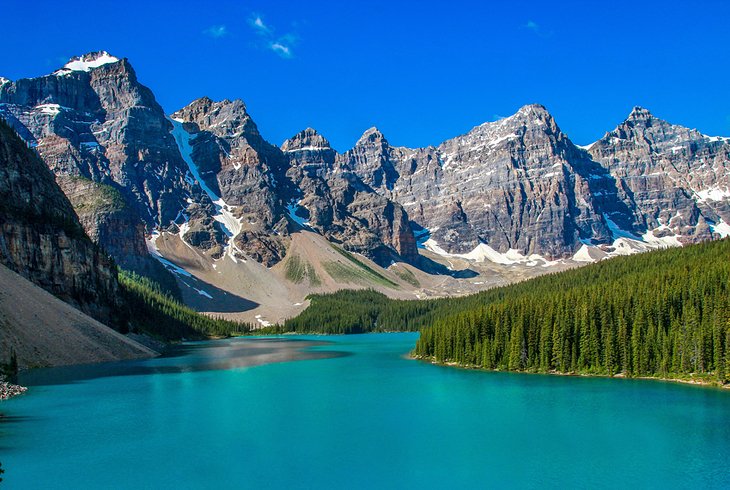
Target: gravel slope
45, 331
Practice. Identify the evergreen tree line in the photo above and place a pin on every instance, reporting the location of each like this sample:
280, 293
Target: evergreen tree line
664, 313
156, 312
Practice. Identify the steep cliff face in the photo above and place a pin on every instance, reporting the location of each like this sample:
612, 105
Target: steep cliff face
263, 193
518, 183
92, 119
343, 206
242, 173
675, 179
41, 238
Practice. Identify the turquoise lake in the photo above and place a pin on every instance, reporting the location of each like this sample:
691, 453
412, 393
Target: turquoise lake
354, 413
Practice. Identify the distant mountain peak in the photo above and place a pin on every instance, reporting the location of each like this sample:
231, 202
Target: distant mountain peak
307, 139
206, 103
639, 113
87, 62
534, 109
371, 135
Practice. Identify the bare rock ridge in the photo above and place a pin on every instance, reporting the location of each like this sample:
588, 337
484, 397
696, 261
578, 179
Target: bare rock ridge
92, 121
674, 179
517, 185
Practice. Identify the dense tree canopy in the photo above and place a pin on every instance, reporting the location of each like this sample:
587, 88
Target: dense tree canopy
158, 313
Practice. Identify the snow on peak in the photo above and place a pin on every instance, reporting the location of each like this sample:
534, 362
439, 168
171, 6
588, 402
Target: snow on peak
712, 139
3, 81
87, 62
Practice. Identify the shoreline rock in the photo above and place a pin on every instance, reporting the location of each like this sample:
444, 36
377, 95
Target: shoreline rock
9, 390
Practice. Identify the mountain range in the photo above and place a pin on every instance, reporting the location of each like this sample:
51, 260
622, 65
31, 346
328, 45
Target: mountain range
248, 226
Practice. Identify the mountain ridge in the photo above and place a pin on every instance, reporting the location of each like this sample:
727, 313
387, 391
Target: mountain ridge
514, 192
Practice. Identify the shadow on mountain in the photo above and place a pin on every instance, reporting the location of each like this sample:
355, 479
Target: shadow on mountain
432, 267
608, 195
203, 296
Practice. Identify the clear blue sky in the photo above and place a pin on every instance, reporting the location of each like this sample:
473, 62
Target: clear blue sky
420, 71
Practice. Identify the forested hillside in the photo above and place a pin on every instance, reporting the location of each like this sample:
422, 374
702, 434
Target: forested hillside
156, 312
663, 313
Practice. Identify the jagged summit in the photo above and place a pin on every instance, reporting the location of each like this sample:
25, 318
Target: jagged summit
370, 135
639, 112
87, 62
307, 139
534, 109
207, 105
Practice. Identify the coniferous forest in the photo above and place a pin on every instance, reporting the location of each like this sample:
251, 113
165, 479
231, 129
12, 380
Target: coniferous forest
158, 313
663, 314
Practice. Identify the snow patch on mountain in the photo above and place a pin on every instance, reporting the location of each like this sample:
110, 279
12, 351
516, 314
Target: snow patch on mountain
721, 228
155, 253
292, 208
224, 215
49, 109
484, 253
87, 62
713, 194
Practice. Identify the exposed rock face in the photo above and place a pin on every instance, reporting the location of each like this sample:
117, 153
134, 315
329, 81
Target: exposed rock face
207, 174
675, 179
242, 172
92, 119
342, 206
41, 238
260, 184
518, 183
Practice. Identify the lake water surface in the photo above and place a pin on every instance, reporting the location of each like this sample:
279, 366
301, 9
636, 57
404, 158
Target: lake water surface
352, 412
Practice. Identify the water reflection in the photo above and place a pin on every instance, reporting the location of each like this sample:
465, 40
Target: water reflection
190, 357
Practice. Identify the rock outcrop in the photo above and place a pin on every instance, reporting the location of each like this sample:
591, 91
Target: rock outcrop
344, 206
264, 193
93, 120
42, 240
674, 179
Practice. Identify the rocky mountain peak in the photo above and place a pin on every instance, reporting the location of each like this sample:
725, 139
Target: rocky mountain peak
639, 113
87, 62
535, 110
372, 135
225, 118
308, 139
3, 81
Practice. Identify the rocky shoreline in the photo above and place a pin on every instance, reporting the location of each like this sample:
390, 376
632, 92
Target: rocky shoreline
9, 390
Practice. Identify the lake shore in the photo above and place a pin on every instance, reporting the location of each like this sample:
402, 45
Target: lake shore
705, 383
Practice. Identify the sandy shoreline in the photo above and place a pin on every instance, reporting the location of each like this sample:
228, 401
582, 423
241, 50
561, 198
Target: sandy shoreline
692, 381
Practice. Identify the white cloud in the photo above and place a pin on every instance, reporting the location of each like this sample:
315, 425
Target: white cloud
281, 45
533, 26
216, 31
281, 49
259, 25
